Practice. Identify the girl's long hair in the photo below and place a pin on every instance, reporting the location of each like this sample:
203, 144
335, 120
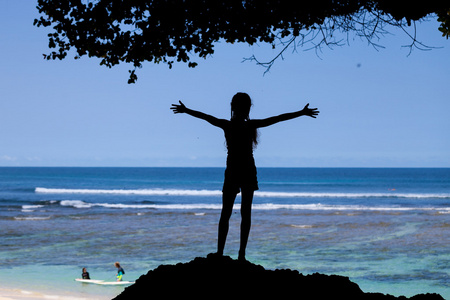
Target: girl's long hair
240, 107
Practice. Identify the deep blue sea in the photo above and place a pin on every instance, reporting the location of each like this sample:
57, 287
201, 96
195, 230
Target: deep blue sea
386, 229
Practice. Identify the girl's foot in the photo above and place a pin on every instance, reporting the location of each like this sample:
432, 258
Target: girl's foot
241, 256
216, 255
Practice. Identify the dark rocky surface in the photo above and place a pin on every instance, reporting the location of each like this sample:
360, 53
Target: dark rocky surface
222, 277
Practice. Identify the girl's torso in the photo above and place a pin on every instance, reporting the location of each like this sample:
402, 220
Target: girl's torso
239, 136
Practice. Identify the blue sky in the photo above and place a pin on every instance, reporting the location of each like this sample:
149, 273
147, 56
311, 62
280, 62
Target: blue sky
377, 108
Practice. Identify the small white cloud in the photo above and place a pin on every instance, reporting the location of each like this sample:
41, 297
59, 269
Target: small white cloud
8, 158
33, 158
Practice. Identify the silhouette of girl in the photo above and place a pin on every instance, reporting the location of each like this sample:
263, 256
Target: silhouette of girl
240, 174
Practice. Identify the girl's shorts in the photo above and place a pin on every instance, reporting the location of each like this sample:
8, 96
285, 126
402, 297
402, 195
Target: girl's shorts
238, 179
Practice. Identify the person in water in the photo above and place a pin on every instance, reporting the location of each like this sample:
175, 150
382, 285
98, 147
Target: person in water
241, 137
120, 271
85, 274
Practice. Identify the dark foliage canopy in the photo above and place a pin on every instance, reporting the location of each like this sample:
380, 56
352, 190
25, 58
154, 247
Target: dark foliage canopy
169, 31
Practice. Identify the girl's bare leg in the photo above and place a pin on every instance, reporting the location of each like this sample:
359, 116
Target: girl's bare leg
246, 222
227, 209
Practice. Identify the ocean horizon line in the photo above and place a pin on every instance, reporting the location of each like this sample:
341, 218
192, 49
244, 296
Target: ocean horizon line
204, 167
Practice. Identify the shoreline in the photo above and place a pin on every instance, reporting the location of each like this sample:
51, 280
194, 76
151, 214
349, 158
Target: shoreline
10, 293
16, 294
45, 290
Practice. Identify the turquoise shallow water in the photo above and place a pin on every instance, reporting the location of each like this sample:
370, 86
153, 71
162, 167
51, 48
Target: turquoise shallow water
336, 221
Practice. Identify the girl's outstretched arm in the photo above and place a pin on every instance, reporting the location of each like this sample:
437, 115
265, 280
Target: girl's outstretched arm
306, 111
181, 108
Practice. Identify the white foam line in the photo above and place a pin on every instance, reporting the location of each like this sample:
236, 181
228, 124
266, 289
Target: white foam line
147, 192
267, 206
31, 218
178, 192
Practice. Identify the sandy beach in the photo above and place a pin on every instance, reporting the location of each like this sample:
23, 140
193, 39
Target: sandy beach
19, 294
13, 294
16, 294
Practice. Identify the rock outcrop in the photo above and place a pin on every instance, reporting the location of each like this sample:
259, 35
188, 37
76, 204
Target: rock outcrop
216, 277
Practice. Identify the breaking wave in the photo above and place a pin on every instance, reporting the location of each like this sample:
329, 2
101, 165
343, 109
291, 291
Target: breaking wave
266, 206
182, 192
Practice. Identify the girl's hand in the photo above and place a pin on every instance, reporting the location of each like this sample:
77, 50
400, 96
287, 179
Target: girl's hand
312, 112
178, 108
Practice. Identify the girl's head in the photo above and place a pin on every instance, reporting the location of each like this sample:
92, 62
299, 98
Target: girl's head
117, 265
84, 270
240, 106
240, 111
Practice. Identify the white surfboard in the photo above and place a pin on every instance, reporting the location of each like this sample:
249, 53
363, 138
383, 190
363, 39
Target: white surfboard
89, 280
115, 282
102, 282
